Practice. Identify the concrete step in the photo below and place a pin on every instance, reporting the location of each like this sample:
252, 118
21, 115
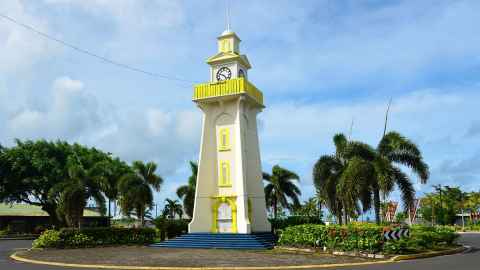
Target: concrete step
221, 241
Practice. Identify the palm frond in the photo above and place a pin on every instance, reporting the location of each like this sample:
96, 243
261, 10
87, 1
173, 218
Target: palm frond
406, 188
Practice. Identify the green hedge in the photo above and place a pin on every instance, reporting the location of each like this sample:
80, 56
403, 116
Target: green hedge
423, 238
91, 237
282, 223
168, 228
366, 237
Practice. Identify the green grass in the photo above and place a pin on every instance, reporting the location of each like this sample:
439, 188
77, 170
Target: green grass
31, 210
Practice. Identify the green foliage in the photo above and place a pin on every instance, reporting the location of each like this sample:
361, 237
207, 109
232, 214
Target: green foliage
135, 189
423, 238
367, 237
172, 208
3, 233
53, 174
350, 181
187, 192
443, 205
48, 239
91, 237
170, 228
282, 223
281, 188
401, 217
310, 208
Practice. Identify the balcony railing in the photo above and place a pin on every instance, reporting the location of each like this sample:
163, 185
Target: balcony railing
226, 88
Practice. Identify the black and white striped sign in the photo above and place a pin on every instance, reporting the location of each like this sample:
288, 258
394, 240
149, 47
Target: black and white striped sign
396, 234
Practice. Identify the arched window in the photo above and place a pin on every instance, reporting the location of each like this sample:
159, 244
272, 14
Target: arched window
224, 139
224, 174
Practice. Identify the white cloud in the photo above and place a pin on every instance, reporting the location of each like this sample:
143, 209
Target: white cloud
296, 134
19, 48
131, 13
72, 114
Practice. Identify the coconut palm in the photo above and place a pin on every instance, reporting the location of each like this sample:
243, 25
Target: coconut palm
172, 208
112, 171
82, 184
376, 172
135, 189
281, 188
187, 192
393, 150
343, 181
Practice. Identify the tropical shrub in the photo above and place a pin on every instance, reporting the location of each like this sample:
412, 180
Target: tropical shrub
91, 237
170, 228
367, 237
48, 239
282, 223
423, 238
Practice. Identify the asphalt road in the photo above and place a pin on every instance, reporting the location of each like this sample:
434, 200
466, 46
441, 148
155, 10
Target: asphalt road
469, 260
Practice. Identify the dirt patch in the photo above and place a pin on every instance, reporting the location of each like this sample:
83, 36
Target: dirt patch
147, 256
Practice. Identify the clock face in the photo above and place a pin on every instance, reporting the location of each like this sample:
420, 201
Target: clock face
224, 74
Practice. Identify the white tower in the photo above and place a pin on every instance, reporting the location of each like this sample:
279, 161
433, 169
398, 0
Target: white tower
229, 195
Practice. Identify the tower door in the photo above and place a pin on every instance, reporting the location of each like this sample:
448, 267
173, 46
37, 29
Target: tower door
224, 218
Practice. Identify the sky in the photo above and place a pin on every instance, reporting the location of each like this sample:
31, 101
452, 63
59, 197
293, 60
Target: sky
321, 64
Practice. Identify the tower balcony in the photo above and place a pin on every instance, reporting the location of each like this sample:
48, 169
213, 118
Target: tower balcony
231, 87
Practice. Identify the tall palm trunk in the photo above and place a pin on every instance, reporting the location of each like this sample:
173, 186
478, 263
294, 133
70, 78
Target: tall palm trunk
376, 203
275, 208
109, 207
339, 218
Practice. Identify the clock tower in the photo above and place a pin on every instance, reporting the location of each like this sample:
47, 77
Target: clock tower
229, 195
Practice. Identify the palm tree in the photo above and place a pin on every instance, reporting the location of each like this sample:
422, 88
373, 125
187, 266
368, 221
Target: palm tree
371, 170
280, 188
135, 189
187, 192
393, 150
343, 181
172, 208
82, 185
112, 171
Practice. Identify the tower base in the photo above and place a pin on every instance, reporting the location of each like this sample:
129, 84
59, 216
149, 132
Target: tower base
260, 241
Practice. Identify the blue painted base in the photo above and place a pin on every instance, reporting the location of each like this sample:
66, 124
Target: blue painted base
220, 241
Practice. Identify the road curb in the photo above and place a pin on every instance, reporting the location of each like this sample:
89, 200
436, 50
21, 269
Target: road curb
428, 254
398, 258
18, 238
16, 257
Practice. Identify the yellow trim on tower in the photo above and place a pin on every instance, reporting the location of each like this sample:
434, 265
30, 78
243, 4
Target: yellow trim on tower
224, 179
231, 200
227, 88
224, 139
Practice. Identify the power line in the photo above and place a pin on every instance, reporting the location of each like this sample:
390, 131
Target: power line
91, 54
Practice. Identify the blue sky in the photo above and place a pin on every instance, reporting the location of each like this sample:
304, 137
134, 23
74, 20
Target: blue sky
319, 63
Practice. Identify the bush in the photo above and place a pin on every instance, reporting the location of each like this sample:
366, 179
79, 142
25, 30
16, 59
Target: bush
167, 228
282, 223
91, 237
367, 237
364, 237
423, 238
48, 239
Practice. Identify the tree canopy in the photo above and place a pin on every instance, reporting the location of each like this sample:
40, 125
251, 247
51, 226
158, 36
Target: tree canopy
61, 177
